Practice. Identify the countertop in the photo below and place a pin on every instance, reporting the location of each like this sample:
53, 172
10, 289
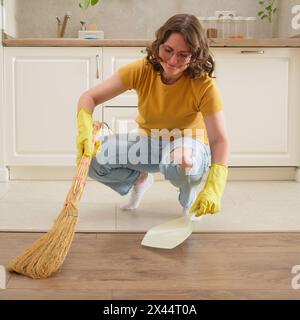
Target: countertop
74, 42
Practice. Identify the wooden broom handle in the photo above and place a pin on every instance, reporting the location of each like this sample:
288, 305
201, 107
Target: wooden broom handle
80, 177
96, 127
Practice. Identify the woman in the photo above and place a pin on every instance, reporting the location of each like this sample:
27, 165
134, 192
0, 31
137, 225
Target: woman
176, 90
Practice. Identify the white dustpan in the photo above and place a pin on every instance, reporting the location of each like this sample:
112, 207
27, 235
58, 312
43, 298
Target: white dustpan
170, 234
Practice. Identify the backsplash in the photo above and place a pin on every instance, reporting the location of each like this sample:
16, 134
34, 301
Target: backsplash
126, 19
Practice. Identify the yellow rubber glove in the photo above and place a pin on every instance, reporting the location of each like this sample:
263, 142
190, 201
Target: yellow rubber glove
209, 199
85, 135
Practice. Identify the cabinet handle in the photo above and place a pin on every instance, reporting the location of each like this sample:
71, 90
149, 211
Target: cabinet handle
97, 63
143, 51
253, 51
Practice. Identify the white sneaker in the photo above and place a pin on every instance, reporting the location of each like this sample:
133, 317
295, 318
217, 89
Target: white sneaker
137, 193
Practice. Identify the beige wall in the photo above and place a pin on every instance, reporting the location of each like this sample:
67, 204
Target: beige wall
118, 18
10, 17
284, 27
128, 18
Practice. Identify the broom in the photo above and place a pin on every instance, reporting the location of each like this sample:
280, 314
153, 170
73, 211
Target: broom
46, 255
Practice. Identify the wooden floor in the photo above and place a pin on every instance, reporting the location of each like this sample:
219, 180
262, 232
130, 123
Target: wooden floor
207, 266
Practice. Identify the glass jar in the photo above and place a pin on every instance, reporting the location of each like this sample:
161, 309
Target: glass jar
212, 27
204, 23
226, 26
250, 31
239, 28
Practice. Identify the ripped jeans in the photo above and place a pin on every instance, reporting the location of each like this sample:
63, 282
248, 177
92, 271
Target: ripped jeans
123, 156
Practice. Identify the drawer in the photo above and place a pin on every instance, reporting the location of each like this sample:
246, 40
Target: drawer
120, 119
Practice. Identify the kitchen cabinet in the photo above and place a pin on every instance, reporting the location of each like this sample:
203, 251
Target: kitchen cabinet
120, 119
261, 95
4, 176
113, 59
120, 111
259, 89
42, 87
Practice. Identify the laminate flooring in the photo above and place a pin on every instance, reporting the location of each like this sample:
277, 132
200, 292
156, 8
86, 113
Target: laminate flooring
107, 266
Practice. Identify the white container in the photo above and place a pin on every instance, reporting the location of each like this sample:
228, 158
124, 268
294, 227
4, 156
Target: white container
250, 31
227, 27
90, 34
239, 28
212, 27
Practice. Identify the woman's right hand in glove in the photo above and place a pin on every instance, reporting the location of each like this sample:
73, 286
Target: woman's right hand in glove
85, 135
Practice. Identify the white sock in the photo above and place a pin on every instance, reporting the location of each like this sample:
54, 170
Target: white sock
137, 193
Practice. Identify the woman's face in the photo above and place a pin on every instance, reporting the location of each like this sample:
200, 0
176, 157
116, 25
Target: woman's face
174, 55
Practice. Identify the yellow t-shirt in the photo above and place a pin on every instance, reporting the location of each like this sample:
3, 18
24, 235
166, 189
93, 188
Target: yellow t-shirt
181, 105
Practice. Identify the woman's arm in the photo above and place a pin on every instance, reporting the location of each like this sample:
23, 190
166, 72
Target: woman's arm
218, 138
100, 93
209, 199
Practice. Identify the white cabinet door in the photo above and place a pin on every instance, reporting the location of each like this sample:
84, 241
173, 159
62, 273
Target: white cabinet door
120, 119
113, 59
42, 89
260, 95
3, 170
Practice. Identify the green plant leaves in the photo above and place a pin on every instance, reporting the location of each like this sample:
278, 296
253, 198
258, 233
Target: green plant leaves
84, 4
268, 9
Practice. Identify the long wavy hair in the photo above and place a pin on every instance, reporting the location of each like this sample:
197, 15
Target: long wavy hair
193, 33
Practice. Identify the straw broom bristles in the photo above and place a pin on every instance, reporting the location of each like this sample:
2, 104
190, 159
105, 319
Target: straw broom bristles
47, 254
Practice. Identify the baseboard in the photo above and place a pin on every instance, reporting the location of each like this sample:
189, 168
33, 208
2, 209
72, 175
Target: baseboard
262, 173
4, 175
50, 173
235, 173
297, 175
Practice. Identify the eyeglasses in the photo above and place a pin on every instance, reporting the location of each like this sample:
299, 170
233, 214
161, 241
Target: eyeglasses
167, 53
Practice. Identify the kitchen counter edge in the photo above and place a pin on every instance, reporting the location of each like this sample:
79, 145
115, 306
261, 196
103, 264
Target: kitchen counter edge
74, 42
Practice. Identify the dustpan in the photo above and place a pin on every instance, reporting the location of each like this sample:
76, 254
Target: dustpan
170, 234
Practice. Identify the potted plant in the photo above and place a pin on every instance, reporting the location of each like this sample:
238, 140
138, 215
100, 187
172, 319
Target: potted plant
268, 9
84, 4
90, 30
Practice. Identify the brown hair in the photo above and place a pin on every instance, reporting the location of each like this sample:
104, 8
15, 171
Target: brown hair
193, 33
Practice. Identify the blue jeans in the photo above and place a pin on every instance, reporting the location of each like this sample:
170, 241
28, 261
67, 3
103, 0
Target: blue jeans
122, 157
